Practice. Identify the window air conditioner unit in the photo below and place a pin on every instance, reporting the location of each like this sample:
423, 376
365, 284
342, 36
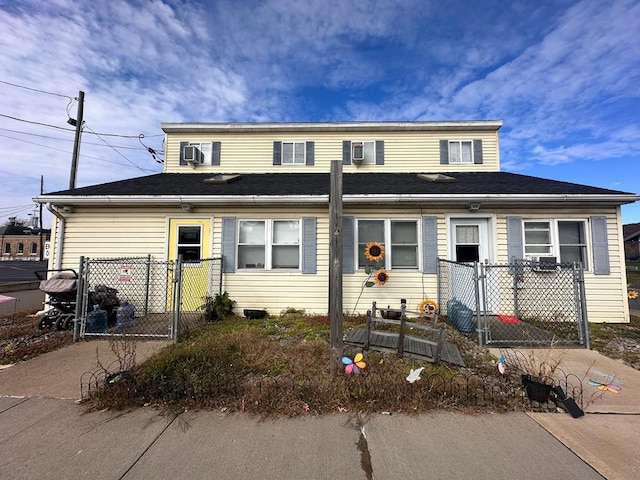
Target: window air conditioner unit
544, 264
357, 153
191, 155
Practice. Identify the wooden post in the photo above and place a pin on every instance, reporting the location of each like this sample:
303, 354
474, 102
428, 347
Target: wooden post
403, 308
335, 265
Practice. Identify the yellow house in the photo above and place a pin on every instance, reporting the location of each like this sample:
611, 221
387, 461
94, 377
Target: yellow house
257, 194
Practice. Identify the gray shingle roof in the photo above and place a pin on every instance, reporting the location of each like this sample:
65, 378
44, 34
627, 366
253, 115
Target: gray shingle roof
487, 183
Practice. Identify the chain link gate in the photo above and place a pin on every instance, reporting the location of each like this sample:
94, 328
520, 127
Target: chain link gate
141, 297
522, 303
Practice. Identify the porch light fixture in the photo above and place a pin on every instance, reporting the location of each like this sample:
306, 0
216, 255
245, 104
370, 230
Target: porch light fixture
472, 207
187, 207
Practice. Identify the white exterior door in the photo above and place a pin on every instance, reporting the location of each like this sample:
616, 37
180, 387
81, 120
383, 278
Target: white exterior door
469, 243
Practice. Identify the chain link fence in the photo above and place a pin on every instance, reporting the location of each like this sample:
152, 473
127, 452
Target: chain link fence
522, 303
141, 297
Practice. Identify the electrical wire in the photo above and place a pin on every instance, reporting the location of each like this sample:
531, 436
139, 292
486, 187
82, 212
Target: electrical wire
66, 151
73, 130
36, 90
68, 140
115, 150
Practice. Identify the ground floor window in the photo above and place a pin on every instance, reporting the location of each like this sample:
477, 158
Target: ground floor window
398, 237
269, 244
564, 239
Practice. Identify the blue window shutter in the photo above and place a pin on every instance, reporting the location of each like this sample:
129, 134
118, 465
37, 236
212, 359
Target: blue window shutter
346, 152
429, 244
600, 241
379, 152
515, 245
348, 245
310, 153
277, 153
215, 153
182, 145
309, 245
444, 152
477, 151
228, 244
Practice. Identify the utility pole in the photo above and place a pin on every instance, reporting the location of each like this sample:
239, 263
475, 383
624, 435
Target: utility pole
40, 217
335, 265
76, 145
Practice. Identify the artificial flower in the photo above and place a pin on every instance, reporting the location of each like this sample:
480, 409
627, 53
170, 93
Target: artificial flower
381, 277
374, 251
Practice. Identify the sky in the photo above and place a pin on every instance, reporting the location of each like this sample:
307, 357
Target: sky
563, 76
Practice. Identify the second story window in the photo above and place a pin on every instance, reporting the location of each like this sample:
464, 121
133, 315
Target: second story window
293, 153
461, 151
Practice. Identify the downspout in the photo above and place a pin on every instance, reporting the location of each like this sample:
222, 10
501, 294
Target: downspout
57, 252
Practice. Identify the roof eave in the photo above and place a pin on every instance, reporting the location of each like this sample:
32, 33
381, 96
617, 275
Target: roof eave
488, 125
377, 199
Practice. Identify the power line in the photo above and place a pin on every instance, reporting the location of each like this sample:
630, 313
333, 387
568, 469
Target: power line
36, 90
66, 151
114, 149
66, 139
73, 130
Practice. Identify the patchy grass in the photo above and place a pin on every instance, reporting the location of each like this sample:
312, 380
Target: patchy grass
618, 340
281, 366
21, 339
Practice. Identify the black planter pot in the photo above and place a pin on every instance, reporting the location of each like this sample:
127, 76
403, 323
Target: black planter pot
254, 314
536, 390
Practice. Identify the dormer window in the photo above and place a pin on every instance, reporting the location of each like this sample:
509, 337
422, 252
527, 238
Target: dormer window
363, 152
461, 152
293, 153
200, 153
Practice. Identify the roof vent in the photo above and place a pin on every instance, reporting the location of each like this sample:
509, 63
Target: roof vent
222, 178
436, 177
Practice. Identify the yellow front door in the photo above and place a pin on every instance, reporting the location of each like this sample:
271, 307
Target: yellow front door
191, 238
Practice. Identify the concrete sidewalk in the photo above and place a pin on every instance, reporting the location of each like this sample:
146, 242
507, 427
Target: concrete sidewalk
49, 438
53, 438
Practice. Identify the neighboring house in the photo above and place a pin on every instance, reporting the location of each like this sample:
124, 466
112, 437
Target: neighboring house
20, 242
631, 233
258, 195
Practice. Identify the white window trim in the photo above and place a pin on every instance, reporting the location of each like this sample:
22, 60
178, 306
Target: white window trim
268, 245
387, 243
293, 143
206, 158
364, 142
460, 142
554, 233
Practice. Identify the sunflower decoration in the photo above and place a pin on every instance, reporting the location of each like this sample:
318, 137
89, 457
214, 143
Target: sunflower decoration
381, 277
632, 294
428, 307
374, 251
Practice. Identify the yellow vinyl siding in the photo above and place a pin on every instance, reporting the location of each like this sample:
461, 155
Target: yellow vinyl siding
139, 231
404, 152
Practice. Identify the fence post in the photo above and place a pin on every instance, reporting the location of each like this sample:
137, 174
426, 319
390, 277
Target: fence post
177, 295
79, 301
146, 292
403, 308
476, 280
584, 319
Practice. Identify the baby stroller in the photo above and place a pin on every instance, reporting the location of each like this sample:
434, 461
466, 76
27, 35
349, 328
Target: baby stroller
62, 289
